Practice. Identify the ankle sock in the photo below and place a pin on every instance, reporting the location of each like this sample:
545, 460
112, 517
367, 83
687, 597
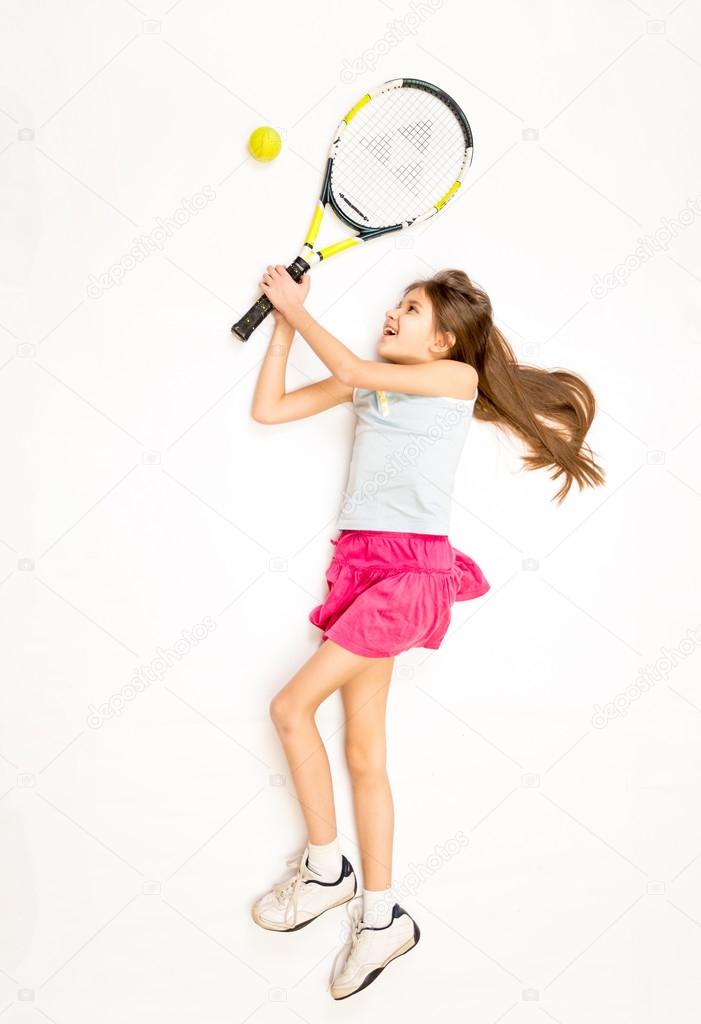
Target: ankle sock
377, 907
325, 860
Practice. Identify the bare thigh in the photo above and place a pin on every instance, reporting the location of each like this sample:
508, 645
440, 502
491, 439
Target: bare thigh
365, 703
328, 669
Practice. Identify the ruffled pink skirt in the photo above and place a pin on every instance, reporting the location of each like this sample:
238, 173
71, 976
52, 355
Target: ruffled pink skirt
389, 592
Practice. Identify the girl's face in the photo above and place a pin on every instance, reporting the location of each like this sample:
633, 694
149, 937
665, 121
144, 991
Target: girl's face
415, 340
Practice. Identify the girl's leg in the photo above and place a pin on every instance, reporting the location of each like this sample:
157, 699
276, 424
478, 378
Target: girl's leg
292, 710
365, 701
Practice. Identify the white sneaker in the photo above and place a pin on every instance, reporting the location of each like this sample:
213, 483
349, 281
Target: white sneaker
299, 900
371, 949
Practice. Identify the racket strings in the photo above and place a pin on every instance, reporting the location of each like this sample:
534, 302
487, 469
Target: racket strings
397, 157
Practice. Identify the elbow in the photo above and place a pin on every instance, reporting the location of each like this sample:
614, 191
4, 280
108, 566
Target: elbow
348, 373
261, 417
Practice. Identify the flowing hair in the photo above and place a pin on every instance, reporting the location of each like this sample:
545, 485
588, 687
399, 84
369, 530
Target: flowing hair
550, 410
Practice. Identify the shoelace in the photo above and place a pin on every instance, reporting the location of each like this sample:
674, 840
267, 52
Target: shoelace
288, 891
354, 910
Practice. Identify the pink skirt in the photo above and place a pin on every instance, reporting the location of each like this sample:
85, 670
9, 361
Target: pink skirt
389, 592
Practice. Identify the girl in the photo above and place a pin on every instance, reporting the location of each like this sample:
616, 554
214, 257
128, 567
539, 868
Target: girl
394, 574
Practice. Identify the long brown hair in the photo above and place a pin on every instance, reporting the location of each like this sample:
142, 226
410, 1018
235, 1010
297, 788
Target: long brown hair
550, 410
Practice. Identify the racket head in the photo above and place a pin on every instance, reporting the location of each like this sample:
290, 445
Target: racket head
398, 156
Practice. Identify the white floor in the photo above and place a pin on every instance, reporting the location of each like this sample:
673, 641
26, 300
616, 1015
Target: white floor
545, 762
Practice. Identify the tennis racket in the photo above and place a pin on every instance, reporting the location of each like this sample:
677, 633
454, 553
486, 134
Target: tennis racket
398, 156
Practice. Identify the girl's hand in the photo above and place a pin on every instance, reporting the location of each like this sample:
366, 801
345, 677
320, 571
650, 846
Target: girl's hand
285, 294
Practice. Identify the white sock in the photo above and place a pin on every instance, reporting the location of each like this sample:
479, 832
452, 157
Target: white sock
377, 907
326, 860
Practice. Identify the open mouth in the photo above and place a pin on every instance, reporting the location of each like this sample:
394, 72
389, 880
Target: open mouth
389, 331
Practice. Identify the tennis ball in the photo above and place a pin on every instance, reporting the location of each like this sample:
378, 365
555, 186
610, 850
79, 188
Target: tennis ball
264, 143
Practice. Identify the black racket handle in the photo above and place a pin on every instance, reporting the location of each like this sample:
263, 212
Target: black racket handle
260, 309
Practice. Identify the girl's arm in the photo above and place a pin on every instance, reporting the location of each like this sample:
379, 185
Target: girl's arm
444, 377
270, 402
270, 386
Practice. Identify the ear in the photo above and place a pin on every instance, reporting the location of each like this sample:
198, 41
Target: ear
445, 340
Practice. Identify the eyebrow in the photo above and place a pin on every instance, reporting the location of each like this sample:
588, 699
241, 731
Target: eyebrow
414, 301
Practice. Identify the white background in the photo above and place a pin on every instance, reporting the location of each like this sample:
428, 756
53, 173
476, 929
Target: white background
139, 497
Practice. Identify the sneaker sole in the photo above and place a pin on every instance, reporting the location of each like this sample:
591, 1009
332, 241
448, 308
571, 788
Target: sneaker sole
375, 973
303, 924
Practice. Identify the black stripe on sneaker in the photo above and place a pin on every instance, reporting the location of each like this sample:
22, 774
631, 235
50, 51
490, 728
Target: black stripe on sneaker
397, 911
346, 870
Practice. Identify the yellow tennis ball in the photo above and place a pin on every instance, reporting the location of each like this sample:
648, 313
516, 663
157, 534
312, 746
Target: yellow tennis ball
264, 143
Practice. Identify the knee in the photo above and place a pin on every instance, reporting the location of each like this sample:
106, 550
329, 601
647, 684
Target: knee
285, 713
364, 762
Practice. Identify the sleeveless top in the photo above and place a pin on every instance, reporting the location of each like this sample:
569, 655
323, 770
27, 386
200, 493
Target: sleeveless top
405, 455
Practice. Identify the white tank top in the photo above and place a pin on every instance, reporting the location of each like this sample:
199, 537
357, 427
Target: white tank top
405, 456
